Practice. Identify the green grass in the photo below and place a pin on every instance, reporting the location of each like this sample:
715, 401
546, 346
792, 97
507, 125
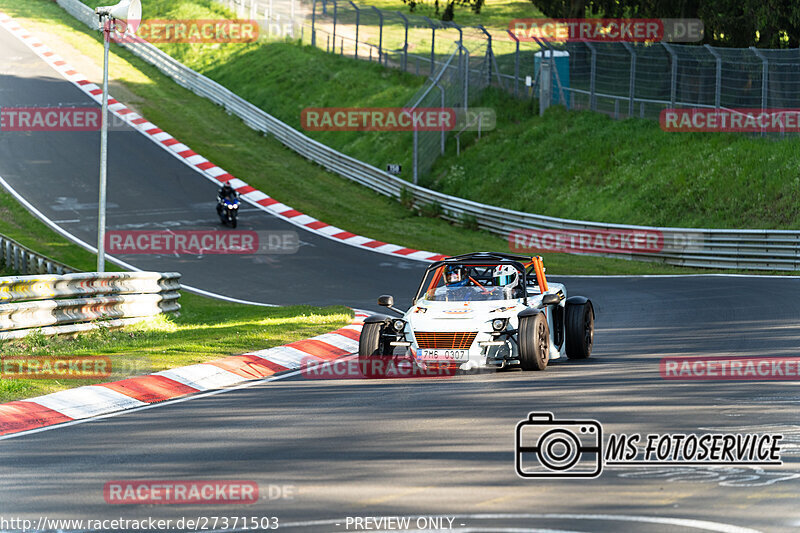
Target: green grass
206, 329
578, 165
585, 165
268, 165
16, 223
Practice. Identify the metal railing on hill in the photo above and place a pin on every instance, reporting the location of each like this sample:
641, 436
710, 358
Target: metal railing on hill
17, 258
712, 248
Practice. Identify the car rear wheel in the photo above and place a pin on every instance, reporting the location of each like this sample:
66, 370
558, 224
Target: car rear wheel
534, 342
579, 322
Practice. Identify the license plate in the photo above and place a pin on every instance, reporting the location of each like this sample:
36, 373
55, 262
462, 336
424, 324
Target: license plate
443, 355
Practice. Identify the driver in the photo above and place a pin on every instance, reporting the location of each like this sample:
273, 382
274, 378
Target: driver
506, 276
454, 276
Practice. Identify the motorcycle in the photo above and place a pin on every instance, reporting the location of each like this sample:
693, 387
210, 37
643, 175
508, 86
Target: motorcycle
228, 210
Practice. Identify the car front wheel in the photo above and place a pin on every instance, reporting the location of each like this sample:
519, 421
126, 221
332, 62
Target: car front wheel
534, 342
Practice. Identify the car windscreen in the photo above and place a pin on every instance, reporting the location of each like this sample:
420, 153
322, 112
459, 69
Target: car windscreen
466, 294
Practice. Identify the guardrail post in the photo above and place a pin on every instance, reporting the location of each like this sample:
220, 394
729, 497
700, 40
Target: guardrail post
632, 84
764, 80
718, 76
380, 32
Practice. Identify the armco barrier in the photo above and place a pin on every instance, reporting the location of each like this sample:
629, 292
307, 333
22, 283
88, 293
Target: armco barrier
710, 248
65, 304
14, 256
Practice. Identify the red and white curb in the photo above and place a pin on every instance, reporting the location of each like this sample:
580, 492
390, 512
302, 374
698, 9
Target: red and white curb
96, 400
202, 165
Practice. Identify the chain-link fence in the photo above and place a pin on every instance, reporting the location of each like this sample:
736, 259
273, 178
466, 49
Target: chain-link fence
457, 84
640, 80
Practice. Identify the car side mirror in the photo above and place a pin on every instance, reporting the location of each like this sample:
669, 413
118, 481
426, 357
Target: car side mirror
386, 300
551, 299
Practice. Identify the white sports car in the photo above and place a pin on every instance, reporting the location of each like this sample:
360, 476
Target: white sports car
483, 310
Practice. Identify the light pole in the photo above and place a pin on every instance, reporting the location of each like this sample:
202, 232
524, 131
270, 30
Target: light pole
129, 12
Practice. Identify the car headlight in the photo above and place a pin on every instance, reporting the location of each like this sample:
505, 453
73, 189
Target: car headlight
499, 324
398, 325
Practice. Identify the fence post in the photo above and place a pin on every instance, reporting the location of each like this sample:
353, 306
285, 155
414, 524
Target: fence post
405, 41
673, 84
764, 80
516, 63
632, 84
380, 32
718, 77
335, 5
358, 22
441, 90
313, 23
433, 42
490, 57
465, 64
592, 76
416, 156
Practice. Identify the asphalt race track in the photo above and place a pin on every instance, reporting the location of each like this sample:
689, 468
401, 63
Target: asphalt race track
416, 448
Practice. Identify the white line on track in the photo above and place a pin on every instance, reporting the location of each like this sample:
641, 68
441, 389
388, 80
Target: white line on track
69, 236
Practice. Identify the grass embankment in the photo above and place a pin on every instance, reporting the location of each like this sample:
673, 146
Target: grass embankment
205, 329
264, 162
576, 165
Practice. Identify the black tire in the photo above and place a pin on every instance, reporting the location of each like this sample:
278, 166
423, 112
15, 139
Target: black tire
234, 221
579, 323
371, 359
370, 341
534, 342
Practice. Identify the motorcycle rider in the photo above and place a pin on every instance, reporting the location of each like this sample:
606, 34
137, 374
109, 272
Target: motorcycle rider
226, 191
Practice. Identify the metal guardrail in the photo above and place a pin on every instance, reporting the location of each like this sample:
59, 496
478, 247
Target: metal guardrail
706, 248
66, 303
16, 257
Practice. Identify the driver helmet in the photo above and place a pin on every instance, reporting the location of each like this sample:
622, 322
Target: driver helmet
453, 274
506, 276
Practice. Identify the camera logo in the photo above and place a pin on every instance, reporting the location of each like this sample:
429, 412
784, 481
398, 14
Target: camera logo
548, 448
